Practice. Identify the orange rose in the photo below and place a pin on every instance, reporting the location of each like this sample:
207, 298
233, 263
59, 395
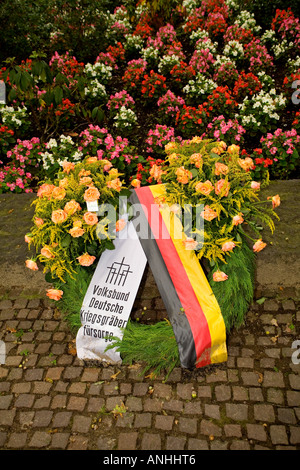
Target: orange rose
68, 166
222, 144
86, 180
120, 225
31, 264
113, 172
246, 164
71, 207
45, 251
38, 221
27, 239
115, 184
216, 150
136, 183
228, 246
91, 194
76, 232
219, 276
45, 190
170, 146
156, 172
255, 185
59, 216
237, 219
183, 175
84, 172
233, 149
91, 160
259, 245
222, 187
190, 243
54, 294
275, 201
86, 259
173, 156
63, 183
221, 169
90, 218
59, 193
107, 165
196, 158
208, 214
204, 188
196, 139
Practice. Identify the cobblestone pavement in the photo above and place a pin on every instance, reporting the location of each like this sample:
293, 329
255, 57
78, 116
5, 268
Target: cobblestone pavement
49, 399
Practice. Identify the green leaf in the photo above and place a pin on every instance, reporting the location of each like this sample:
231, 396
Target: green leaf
58, 94
261, 300
66, 241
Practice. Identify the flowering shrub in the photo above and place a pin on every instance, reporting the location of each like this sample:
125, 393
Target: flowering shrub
16, 119
153, 86
182, 73
191, 120
159, 137
169, 105
26, 154
281, 147
199, 88
257, 56
226, 73
96, 141
221, 100
287, 26
6, 139
118, 100
261, 111
14, 179
246, 84
56, 152
202, 60
134, 74
99, 71
230, 132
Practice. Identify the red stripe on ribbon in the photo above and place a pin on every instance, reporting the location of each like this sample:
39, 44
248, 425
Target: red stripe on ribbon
179, 276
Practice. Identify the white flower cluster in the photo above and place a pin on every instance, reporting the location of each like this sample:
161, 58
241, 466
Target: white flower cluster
198, 34
232, 4
268, 36
266, 80
13, 117
98, 70
95, 89
167, 62
234, 49
221, 59
150, 54
294, 64
60, 151
200, 86
125, 119
282, 48
261, 108
120, 16
246, 20
206, 43
133, 42
189, 5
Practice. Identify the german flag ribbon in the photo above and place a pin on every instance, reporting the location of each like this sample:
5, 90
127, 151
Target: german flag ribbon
193, 310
